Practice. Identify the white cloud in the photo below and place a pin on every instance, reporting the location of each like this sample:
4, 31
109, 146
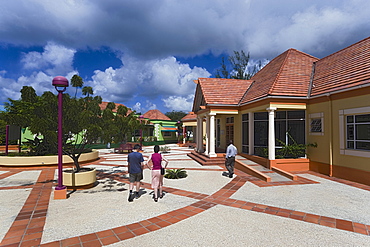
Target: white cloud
151, 35
146, 78
55, 60
187, 28
179, 103
137, 107
39, 70
149, 106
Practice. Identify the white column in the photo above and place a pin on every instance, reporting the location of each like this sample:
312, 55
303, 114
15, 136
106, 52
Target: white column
207, 135
251, 133
183, 132
271, 137
200, 135
197, 132
212, 135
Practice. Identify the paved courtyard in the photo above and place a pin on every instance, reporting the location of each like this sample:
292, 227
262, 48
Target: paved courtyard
204, 209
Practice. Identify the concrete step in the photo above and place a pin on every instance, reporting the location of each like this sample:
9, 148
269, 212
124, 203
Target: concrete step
275, 177
205, 160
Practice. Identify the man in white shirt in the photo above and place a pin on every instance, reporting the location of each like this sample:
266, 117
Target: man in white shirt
231, 152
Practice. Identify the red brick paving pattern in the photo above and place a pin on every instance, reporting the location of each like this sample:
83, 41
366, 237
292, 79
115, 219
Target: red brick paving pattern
27, 228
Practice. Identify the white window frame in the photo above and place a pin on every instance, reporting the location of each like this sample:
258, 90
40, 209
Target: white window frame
343, 129
312, 116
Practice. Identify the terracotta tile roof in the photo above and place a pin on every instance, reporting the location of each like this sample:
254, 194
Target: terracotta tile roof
190, 117
292, 73
223, 91
288, 74
103, 105
344, 69
155, 115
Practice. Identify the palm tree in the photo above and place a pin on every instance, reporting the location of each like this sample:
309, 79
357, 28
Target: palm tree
87, 91
76, 82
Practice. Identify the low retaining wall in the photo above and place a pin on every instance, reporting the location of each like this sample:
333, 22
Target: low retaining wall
259, 160
285, 173
291, 165
45, 160
249, 170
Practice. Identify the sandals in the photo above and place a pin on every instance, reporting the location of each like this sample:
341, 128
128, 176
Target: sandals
155, 199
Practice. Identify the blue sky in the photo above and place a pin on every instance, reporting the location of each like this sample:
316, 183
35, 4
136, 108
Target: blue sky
146, 54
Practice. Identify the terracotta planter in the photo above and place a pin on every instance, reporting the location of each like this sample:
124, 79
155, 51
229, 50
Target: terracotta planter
79, 179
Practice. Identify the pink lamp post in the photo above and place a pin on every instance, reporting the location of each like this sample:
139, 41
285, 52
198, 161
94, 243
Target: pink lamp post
60, 83
141, 117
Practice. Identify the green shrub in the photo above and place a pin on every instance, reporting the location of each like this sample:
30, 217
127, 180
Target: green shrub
165, 149
175, 173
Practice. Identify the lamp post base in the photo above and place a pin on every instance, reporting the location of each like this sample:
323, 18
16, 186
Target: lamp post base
60, 193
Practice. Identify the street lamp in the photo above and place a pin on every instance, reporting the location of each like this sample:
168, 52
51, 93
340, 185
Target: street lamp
141, 117
60, 83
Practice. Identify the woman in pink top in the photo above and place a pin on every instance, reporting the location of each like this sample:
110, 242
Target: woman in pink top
154, 163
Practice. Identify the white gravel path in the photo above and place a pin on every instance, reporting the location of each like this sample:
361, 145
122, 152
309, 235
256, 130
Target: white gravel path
327, 198
97, 209
225, 226
11, 202
19, 179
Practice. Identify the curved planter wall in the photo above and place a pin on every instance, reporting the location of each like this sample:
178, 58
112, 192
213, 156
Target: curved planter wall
45, 160
79, 179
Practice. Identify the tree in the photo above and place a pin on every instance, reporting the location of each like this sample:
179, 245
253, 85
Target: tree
126, 123
176, 115
76, 82
2, 130
240, 68
83, 122
87, 91
111, 106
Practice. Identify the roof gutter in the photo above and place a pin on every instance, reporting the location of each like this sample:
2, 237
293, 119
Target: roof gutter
311, 79
274, 97
340, 91
234, 105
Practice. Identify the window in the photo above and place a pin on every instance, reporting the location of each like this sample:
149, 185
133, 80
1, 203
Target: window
316, 121
260, 132
230, 120
289, 127
358, 132
354, 131
229, 129
167, 133
315, 125
218, 132
245, 133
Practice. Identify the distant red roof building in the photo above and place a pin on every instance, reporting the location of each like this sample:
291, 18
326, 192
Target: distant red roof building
190, 117
103, 106
155, 115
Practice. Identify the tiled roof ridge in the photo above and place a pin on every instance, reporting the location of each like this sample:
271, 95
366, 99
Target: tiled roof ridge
303, 53
280, 70
246, 92
288, 53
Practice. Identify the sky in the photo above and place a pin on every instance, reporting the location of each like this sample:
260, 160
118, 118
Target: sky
145, 54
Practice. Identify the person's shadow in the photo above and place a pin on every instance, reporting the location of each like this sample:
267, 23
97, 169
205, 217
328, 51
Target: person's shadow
226, 174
